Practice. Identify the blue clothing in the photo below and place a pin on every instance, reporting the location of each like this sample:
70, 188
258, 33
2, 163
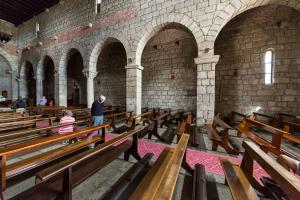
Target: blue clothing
97, 108
43, 102
98, 120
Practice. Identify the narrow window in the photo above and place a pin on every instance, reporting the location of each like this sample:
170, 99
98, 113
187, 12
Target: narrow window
98, 3
268, 61
37, 29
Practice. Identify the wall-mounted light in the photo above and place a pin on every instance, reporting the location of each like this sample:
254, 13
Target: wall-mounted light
54, 38
61, 2
47, 10
90, 25
40, 43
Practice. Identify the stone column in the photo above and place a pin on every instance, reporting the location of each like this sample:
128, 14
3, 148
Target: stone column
61, 90
206, 87
134, 88
14, 85
90, 75
23, 92
39, 88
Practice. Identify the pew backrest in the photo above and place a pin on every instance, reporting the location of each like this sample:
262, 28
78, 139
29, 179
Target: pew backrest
285, 179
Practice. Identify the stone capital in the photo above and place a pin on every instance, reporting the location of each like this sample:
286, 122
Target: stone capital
89, 74
206, 59
134, 66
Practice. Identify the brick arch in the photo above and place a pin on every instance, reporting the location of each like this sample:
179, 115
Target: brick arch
12, 64
236, 7
22, 67
158, 24
66, 54
40, 70
100, 46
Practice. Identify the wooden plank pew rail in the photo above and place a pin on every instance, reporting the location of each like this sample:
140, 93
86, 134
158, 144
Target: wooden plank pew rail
271, 120
234, 118
160, 180
243, 185
11, 170
21, 118
273, 146
14, 137
57, 181
118, 118
222, 137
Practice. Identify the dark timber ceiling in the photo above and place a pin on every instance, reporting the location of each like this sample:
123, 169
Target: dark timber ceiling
18, 11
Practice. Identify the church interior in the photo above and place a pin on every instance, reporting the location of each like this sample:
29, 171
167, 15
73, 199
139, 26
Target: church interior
150, 99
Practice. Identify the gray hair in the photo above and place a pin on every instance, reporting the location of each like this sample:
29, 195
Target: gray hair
67, 113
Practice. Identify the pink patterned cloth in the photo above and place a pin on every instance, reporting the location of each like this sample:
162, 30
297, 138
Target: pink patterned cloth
66, 129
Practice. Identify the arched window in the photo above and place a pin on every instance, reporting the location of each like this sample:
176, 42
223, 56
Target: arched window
269, 65
98, 5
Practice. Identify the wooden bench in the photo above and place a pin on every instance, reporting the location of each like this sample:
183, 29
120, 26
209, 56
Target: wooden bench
288, 117
273, 121
235, 118
7, 171
288, 182
273, 146
193, 130
237, 181
16, 119
160, 181
17, 125
57, 181
222, 138
15, 137
119, 117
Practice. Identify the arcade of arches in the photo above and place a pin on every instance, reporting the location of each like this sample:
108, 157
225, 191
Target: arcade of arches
172, 62
203, 96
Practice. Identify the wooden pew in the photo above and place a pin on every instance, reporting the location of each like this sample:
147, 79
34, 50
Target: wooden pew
222, 138
11, 170
193, 130
243, 185
57, 181
119, 117
160, 181
15, 137
15, 119
235, 118
273, 121
17, 125
288, 118
273, 146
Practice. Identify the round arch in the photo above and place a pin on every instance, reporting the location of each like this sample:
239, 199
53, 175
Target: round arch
101, 45
157, 25
40, 70
236, 7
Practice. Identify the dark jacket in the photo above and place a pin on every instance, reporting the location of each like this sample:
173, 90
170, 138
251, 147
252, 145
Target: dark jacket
20, 103
97, 108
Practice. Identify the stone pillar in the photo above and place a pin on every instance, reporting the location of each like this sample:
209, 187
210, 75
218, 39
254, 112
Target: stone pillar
61, 93
23, 92
39, 88
134, 88
206, 87
14, 85
90, 75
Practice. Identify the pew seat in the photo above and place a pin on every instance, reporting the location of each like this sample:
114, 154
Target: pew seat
237, 181
199, 183
129, 181
222, 138
25, 165
160, 181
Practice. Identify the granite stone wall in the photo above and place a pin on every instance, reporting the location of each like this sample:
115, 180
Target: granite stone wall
240, 82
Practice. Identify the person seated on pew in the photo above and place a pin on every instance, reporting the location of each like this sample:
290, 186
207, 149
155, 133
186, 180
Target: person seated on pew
43, 101
97, 112
20, 105
289, 163
66, 119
